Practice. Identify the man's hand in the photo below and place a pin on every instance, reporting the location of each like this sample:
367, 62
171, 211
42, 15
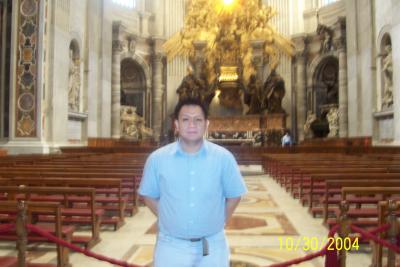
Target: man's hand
231, 204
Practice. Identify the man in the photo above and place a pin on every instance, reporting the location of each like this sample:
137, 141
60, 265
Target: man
193, 187
286, 139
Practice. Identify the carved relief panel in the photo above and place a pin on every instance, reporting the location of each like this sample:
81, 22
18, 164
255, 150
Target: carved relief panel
74, 78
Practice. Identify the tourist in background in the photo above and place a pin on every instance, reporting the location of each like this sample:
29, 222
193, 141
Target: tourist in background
287, 139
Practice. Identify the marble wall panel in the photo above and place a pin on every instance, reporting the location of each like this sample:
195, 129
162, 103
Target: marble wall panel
27, 69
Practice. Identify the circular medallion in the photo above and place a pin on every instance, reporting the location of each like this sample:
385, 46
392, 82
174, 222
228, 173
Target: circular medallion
28, 8
26, 102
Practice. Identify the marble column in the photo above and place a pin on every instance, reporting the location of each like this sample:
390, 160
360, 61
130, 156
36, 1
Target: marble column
116, 89
340, 45
301, 94
158, 88
301, 84
343, 99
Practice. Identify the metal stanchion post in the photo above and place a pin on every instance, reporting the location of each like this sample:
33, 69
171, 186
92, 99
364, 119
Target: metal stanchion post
343, 230
21, 234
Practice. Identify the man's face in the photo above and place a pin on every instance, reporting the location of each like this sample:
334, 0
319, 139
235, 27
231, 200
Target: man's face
191, 123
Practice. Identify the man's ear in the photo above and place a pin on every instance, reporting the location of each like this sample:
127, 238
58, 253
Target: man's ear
176, 124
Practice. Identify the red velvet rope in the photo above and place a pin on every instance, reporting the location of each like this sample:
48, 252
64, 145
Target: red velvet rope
380, 229
4, 228
310, 256
322, 252
376, 239
89, 253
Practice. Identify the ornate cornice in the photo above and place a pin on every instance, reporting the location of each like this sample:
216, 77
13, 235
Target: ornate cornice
301, 46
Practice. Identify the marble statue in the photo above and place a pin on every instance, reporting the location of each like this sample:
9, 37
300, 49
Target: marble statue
193, 87
273, 93
326, 35
387, 70
311, 117
74, 83
333, 120
132, 125
252, 96
190, 86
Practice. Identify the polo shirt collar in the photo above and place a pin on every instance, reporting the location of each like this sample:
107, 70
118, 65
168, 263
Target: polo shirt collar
202, 151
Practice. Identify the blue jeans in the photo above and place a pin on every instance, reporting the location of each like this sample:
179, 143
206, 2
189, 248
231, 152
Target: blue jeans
175, 252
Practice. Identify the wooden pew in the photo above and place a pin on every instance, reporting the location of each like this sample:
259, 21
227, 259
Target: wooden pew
26, 212
333, 188
366, 217
322, 178
84, 216
389, 212
129, 181
108, 194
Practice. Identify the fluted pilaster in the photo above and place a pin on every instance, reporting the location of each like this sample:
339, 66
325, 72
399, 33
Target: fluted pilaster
301, 94
301, 84
116, 89
343, 99
340, 44
158, 89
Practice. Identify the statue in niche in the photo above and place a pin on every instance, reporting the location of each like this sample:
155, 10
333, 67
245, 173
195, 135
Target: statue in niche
252, 96
311, 117
132, 125
273, 93
326, 35
74, 82
387, 70
333, 119
132, 45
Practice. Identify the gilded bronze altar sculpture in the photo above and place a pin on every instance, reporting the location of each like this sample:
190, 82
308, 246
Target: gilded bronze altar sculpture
230, 44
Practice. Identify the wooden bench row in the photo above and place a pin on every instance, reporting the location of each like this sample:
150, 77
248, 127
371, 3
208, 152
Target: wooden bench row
88, 215
24, 213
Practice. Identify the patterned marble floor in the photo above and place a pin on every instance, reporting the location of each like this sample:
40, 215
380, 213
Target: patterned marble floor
266, 217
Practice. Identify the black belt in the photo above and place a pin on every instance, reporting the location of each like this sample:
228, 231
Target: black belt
204, 243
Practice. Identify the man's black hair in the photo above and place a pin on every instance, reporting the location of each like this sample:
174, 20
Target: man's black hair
190, 102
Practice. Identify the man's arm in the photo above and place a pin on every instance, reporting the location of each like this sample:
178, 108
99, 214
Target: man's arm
231, 204
152, 204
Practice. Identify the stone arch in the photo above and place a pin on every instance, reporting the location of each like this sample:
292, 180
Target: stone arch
325, 83
142, 63
323, 92
134, 86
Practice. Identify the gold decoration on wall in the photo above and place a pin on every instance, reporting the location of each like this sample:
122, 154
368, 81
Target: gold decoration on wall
229, 27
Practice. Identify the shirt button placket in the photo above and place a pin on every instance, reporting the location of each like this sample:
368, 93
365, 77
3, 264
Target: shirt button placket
191, 198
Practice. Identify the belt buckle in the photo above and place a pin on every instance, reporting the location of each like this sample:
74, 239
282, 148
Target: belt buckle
194, 239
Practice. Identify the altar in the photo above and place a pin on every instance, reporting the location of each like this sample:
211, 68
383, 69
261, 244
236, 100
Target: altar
228, 67
246, 129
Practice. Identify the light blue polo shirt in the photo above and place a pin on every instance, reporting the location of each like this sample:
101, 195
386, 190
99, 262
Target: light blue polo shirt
191, 188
